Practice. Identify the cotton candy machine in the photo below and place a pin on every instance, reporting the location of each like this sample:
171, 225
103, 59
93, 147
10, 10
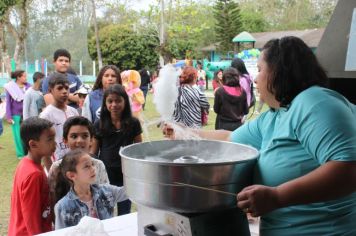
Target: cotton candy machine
188, 187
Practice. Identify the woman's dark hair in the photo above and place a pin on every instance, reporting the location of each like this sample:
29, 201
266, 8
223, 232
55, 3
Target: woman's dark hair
61, 183
77, 120
99, 79
231, 77
106, 125
216, 74
189, 74
292, 68
17, 73
239, 65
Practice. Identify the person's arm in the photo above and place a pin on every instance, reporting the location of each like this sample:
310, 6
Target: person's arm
59, 221
217, 103
330, 181
26, 106
48, 98
138, 139
86, 109
45, 86
31, 196
118, 193
73, 98
8, 109
219, 135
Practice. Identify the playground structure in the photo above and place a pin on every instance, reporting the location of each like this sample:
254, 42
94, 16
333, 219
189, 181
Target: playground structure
249, 56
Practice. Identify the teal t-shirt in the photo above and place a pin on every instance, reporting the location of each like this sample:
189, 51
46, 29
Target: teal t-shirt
318, 126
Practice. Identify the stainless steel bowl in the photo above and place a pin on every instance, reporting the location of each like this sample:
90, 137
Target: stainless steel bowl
152, 169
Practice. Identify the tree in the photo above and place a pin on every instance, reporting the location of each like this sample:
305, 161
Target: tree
97, 35
125, 48
227, 22
19, 29
5, 7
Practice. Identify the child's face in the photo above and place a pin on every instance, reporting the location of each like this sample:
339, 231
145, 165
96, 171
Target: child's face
109, 78
78, 137
60, 93
46, 145
115, 104
61, 64
85, 171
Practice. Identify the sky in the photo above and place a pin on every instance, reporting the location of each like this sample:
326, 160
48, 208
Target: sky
142, 4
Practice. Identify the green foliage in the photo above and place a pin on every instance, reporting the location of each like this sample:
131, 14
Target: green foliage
123, 47
253, 21
228, 22
5, 5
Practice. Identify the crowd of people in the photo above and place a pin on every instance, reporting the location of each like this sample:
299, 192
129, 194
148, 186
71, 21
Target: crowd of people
307, 133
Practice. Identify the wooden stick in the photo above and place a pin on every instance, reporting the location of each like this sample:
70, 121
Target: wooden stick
207, 189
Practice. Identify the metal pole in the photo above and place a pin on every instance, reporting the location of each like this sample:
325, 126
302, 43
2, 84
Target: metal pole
94, 69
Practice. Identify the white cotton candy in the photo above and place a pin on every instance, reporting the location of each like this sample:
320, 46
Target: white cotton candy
166, 92
88, 226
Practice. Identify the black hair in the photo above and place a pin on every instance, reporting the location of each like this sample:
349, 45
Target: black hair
106, 125
61, 183
231, 77
143, 72
216, 74
32, 128
17, 73
292, 68
37, 75
77, 120
61, 53
239, 65
99, 79
57, 78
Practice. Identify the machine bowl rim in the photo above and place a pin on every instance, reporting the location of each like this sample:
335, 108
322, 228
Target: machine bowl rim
188, 164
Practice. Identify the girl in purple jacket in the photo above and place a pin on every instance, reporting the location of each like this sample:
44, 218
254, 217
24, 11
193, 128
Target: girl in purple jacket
15, 91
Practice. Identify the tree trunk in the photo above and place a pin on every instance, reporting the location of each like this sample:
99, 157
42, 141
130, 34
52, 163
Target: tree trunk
3, 50
161, 35
98, 51
20, 34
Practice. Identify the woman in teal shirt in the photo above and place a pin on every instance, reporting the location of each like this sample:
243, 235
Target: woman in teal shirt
305, 177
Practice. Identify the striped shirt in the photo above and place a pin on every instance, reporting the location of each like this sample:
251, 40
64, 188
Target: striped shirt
189, 106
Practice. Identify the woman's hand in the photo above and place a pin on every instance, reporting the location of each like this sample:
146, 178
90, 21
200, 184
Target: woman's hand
10, 121
168, 131
258, 200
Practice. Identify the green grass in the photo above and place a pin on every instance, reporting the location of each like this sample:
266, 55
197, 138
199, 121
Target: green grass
8, 160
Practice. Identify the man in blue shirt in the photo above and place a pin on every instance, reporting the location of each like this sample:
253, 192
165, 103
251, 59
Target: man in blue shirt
61, 61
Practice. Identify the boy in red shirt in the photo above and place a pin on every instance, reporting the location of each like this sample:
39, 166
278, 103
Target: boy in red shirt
30, 203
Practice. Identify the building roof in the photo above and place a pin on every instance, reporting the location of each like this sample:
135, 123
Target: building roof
243, 37
310, 36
